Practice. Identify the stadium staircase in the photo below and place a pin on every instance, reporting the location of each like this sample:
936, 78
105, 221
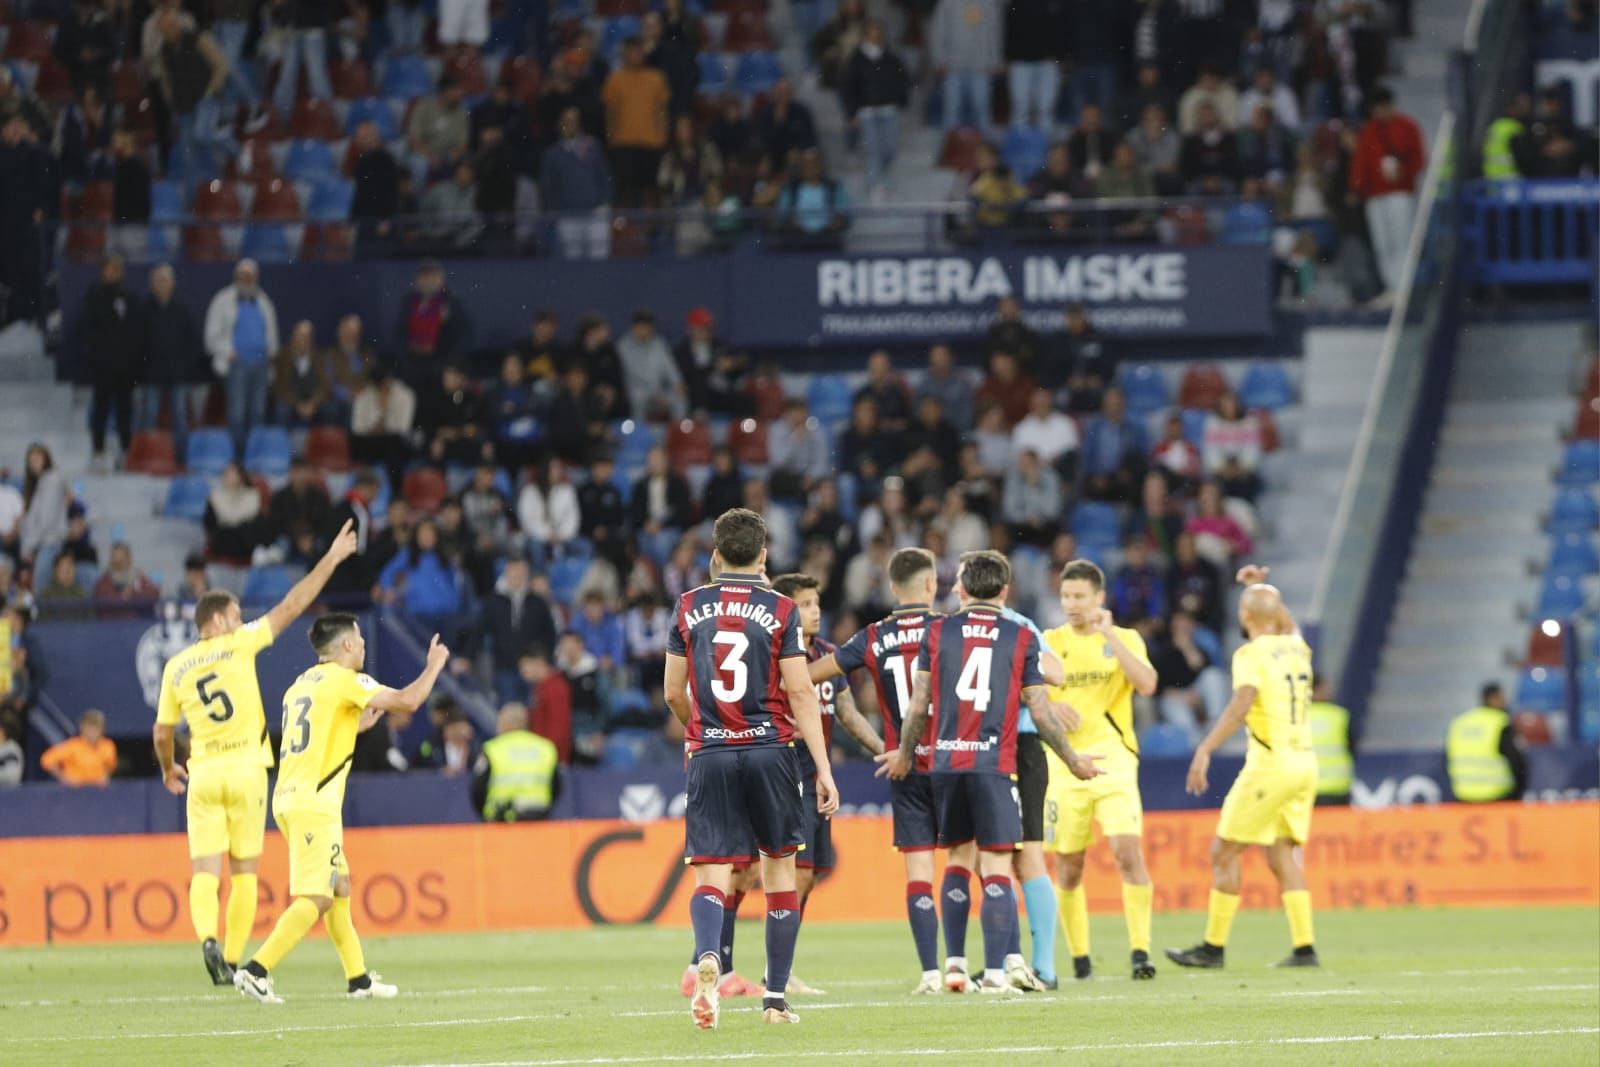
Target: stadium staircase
1462, 614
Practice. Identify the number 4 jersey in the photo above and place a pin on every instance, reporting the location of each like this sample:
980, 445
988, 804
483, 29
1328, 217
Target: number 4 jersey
1278, 667
980, 663
321, 717
733, 632
212, 686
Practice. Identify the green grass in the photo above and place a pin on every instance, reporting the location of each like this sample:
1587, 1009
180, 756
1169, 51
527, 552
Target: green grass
1467, 987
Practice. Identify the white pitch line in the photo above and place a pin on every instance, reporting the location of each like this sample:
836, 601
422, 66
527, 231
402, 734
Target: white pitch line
201, 1000
1130, 1046
1469, 972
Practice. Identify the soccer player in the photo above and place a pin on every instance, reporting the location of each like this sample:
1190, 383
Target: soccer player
733, 643
1271, 800
322, 713
212, 686
975, 669
888, 651
1104, 665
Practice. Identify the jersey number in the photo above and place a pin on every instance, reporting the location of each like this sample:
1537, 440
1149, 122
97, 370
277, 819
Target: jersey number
900, 671
296, 745
737, 644
1298, 684
973, 685
210, 697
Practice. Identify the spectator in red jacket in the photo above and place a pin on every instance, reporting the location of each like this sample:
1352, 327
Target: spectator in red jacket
1384, 173
549, 700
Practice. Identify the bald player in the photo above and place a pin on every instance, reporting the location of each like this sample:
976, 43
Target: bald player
1271, 800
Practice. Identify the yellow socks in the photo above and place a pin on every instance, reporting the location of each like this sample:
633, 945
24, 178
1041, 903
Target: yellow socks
241, 917
1219, 917
203, 905
343, 934
1073, 907
1297, 906
295, 922
1136, 904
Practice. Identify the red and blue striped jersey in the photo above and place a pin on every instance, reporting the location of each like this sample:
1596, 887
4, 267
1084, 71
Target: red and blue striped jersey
980, 662
828, 698
888, 650
733, 632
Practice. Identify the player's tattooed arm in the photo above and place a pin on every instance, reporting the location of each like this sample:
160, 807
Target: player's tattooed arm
1055, 735
854, 723
898, 764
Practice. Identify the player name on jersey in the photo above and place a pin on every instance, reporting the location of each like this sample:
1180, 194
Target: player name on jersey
756, 613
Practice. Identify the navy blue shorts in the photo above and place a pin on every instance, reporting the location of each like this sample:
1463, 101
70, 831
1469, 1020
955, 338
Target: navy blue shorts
916, 827
743, 801
818, 853
978, 806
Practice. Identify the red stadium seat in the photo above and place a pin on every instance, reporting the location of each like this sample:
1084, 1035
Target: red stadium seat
254, 161
747, 438
1544, 650
314, 120
218, 200
53, 83
203, 244
1587, 424
275, 200
267, 125
86, 244
30, 41
628, 239
96, 202
152, 452
610, 9
1202, 386
328, 447
767, 391
328, 242
425, 489
960, 150
747, 32
689, 443
350, 79
1189, 225
127, 83
467, 69
1270, 439
1591, 385
521, 74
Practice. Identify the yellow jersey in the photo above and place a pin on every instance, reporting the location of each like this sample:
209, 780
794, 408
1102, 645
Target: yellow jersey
1098, 689
1278, 667
321, 717
212, 686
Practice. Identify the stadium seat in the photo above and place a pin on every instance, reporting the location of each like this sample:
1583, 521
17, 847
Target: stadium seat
467, 69
748, 440
152, 452
625, 749
29, 40
331, 199
1545, 649
1164, 740
1541, 689
86, 244
959, 152
1580, 464
1587, 423
275, 200
829, 397
326, 241
1189, 225
96, 202
310, 161
266, 242
1574, 553
616, 30
1145, 389
1024, 149
1096, 523
424, 488
1561, 597
747, 32
255, 162
406, 77
264, 586
314, 119
713, 74
1209, 641
1246, 224
186, 497
376, 111
350, 79
1266, 387
757, 72
1574, 510
521, 74
166, 202
565, 574
218, 200
768, 393
328, 448
1202, 386
127, 83
209, 450
634, 441
689, 443
267, 451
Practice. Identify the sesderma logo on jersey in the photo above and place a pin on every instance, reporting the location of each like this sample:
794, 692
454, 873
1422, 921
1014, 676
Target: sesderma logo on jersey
949, 745
718, 733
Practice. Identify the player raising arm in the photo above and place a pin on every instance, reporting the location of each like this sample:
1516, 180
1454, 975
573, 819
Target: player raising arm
1271, 800
322, 713
212, 686
731, 642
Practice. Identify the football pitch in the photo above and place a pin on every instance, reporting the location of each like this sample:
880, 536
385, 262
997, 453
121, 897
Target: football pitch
1398, 987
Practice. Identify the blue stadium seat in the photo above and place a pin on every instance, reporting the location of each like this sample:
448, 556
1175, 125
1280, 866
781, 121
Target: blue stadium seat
1164, 740
828, 397
616, 30
849, 495
1096, 523
1573, 553
267, 585
758, 72
713, 74
1024, 150
186, 497
1575, 510
267, 451
1266, 387
1194, 425
1580, 464
1246, 224
406, 77
88, 574
266, 242
634, 441
630, 701
1145, 389
626, 749
375, 110
1208, 641
330, 199
166, 202
209, 450
1542, 689
310, 161
1560, 598
565, 574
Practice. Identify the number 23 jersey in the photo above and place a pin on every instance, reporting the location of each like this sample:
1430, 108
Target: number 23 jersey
321, 717
212, 686
1278, 667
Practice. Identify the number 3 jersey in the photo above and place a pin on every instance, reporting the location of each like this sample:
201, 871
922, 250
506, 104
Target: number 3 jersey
734, 632
321, 717
1278, 667
980, 663
212, 686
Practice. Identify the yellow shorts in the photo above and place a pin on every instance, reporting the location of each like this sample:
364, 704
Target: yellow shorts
227, 807
1270, 800
316, 852
1072, 806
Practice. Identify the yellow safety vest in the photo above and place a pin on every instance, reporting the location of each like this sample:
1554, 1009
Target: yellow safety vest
1499, 162
522, 770
1330, 736
1478, 772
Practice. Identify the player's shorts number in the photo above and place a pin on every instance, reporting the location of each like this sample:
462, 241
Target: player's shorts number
297, 744
1016, 798
732, 667
973, 685
209, 697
